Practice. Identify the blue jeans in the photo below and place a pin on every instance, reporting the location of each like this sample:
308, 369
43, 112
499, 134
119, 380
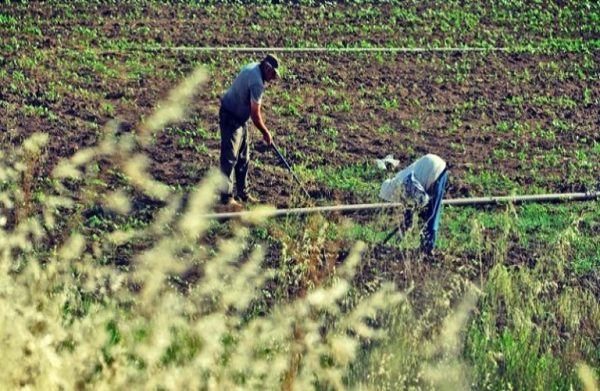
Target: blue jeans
433, 212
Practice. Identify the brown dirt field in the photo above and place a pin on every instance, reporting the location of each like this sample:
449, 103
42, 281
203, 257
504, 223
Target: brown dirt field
429, 89
451, 104
468, 148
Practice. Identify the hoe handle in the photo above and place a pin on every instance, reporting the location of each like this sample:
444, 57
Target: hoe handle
289, 168
391, 235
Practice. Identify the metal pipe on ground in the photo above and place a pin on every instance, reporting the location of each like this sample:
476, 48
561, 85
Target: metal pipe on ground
476, 201
539, 198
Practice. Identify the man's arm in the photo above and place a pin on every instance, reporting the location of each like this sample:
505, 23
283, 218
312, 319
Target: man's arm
415, 191
258, 121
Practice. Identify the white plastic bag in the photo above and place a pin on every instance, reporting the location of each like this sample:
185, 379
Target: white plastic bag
382, 164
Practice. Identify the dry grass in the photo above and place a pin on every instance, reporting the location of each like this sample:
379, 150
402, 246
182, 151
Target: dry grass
72, 320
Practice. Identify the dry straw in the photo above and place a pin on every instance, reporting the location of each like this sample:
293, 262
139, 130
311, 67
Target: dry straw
116, 308
70, 319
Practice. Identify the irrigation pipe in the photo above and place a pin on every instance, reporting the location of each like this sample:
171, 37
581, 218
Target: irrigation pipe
250, 49
477, 201
325, 49
280, 49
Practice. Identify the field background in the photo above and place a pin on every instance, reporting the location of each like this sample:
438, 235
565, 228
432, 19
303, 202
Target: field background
523, 120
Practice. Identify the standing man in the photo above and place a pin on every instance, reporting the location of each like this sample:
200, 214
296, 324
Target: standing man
422, 185
242, 101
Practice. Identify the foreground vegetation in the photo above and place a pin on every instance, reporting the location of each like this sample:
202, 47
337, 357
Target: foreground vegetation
191, 313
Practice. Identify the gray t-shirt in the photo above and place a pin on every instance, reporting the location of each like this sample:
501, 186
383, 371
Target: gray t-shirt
248, 85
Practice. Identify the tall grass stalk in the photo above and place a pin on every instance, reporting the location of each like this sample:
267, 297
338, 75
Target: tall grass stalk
533, 324
71, 319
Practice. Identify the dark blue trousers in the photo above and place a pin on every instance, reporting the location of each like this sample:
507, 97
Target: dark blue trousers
235, 154
433, 212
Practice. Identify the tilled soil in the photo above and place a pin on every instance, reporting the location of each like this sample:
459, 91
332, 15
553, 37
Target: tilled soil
528, 120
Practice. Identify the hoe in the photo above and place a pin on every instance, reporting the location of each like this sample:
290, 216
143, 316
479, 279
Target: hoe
289, 168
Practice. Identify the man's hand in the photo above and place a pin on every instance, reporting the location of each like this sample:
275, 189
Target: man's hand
258, 121
267, 137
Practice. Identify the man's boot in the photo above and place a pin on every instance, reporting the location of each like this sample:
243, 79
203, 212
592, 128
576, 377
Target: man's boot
230, 204
248, 199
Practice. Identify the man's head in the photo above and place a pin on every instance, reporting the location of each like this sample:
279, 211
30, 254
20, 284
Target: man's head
270, 67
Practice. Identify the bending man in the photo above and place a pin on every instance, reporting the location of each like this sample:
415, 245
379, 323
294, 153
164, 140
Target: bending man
421, 185
241, 102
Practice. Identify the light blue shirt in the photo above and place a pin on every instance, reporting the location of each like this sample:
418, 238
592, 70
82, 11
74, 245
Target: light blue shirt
412, 183
247, 86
